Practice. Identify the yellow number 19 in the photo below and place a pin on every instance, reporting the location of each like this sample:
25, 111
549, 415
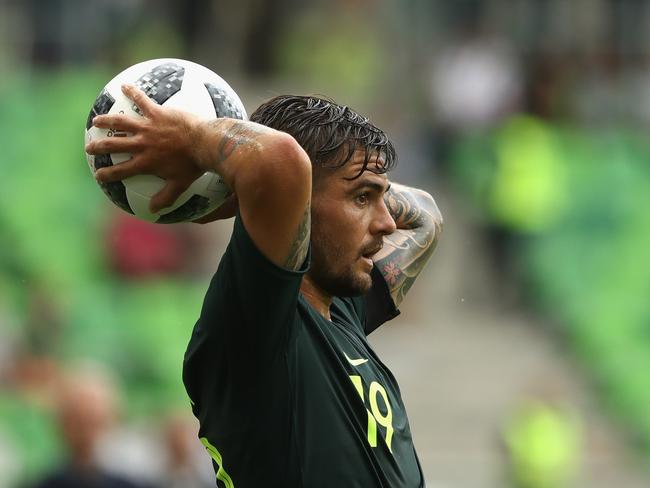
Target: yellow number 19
375, 415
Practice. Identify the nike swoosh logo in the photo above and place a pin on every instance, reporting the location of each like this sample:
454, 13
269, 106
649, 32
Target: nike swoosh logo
355, 362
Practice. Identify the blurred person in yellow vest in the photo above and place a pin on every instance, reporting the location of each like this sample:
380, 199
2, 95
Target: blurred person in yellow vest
544, 443
529, 190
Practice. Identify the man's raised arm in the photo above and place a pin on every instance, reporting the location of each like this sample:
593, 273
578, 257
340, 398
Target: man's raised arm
267, 169
406, 251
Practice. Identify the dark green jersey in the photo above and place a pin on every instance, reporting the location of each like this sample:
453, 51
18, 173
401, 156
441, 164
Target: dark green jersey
286, 398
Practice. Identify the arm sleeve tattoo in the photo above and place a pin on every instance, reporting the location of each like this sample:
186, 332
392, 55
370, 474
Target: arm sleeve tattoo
406, 251
300, 245
237, 134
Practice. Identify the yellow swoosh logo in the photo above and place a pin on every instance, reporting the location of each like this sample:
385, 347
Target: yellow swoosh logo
355, 362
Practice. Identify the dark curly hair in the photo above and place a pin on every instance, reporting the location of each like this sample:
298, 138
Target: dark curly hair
329, 133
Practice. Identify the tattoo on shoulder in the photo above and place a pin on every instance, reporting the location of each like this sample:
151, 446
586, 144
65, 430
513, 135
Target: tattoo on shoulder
300, 245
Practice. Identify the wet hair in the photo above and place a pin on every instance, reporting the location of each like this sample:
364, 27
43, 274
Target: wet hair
329, 133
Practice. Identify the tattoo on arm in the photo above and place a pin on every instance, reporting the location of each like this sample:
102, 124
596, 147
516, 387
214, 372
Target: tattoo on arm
238, 140
300, 245
237, 134
406, 251
410, 208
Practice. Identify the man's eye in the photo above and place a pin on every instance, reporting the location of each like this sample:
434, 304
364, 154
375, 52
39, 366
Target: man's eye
362, 199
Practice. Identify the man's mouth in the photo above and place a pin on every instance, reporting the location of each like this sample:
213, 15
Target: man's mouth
372, 252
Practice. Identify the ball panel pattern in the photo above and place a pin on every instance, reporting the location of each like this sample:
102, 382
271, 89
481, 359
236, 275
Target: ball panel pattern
223, 103
116, 190
196, 206
102, 105
162, 82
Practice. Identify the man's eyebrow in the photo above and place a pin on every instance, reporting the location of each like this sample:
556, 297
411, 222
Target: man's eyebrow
378, 187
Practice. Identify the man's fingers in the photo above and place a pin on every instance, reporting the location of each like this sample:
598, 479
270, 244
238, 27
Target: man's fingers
167, 196
115, 144
120, 171
117, 122
143, 102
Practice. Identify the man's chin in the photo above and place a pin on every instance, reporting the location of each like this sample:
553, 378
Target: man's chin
356, 282
354, 286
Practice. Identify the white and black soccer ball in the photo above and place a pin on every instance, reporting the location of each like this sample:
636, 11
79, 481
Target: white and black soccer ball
175, 83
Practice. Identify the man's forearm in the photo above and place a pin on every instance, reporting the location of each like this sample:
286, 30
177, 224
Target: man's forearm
406, 251
413, 209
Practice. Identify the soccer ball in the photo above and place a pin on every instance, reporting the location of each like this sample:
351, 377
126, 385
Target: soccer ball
175, 83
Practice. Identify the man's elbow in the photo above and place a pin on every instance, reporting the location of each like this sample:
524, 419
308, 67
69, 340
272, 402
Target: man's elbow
283, 166
292, 158
435, 215
428, 203
438, 219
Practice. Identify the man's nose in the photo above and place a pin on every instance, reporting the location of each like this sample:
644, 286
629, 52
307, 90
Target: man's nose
383, 223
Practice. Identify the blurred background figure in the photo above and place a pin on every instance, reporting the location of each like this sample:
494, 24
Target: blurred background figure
543, 443
187, 465
475, 83
544, 440
86, 408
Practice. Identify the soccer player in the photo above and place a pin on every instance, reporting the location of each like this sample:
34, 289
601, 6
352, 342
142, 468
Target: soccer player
280, 374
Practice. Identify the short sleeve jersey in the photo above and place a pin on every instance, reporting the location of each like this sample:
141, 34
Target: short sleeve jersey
287, 398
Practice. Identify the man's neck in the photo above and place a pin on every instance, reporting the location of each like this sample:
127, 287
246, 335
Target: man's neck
316, 297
